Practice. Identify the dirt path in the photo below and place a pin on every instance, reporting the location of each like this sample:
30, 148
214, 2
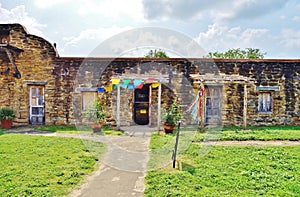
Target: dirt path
252, 143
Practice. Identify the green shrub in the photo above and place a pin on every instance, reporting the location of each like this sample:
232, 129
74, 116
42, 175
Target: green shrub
7, 113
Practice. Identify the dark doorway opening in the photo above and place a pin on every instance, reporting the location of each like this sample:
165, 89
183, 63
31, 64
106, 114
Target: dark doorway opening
141, 105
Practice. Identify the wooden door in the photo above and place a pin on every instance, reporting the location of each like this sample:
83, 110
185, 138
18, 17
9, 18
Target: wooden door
36, 105
213, 105
141, 106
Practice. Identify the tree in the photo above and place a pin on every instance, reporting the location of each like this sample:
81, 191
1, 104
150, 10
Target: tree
156, 54
248, 53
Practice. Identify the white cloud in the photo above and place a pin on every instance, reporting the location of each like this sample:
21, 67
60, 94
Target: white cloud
113, 8
296, 18
290, 38
20, 15
282, 17
96, 35
49, 3
218, 9
221, 37
87, 40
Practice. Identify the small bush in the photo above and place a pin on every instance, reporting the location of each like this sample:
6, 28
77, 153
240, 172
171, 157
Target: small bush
7, 113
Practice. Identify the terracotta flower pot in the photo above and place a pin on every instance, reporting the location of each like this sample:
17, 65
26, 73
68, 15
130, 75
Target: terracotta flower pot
97, 126
169, 128
6, 124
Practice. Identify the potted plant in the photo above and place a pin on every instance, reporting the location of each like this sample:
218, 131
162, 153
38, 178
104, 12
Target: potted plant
96, 115
6, 117
171, 114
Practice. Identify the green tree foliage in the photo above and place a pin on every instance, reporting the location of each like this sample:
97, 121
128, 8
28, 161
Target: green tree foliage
156, 54
248, 53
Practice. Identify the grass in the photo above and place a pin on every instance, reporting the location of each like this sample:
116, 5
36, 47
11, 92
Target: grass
44, 166
264, 133
227, 171
162, 145
76, 130
59, 129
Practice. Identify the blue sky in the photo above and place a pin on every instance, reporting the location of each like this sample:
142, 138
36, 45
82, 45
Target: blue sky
78, 26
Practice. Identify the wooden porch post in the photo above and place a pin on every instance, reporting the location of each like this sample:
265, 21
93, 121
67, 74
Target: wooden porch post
245, 108
118, 107
203, 109
150, 103
158, 108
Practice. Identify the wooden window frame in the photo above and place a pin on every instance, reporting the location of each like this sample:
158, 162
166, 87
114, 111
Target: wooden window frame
86, 106
265, 103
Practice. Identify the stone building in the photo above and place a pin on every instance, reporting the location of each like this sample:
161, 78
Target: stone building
44, 88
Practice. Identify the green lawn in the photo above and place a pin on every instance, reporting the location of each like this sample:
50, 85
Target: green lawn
227, 171
44, 166
76, 130
264, 133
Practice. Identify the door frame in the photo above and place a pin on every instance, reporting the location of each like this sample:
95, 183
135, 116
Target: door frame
37, 105
218, 118
146, 102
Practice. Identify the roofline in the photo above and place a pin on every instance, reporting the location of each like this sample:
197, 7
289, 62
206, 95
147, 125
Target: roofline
174, 59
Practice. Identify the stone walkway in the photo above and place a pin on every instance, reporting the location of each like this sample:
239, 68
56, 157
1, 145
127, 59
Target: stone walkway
122, 168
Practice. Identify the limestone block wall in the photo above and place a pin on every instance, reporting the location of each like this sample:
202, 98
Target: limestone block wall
267, 73
35, 65
64, 79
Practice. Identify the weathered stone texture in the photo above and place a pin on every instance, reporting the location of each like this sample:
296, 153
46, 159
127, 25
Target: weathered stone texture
63, 76
35, 65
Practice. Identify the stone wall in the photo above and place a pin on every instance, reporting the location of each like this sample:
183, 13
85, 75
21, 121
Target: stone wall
268, 73
65, 78
36, 67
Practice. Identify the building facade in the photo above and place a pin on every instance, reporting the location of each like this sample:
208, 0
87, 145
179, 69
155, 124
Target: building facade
44, 88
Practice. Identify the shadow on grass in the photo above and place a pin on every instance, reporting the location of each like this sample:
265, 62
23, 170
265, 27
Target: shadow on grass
188, 168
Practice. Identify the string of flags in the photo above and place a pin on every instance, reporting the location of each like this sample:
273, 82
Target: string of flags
132, 84
195, 109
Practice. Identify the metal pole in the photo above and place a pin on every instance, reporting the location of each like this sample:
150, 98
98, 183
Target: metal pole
176, 145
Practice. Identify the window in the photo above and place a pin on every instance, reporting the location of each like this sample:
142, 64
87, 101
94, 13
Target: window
264, 102
88, 99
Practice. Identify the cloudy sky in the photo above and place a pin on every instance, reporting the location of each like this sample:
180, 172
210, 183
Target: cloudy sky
78, 26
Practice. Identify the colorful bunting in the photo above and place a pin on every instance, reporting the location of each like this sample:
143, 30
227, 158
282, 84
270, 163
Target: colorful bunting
115, 81
150, 80
196, 107
130, 86
163, 80
126, 81
108, 88
101, 89
155, 85
137, 82
140, 86
123, 86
